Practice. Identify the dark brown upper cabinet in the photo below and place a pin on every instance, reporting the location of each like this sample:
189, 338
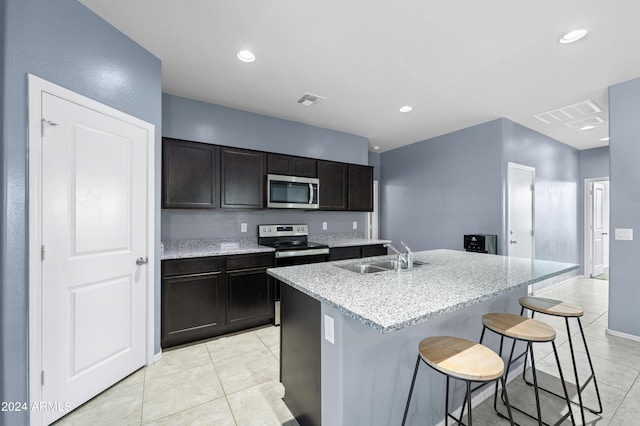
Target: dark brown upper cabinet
242, 175
279, 164
360, 188
333, 185
189, 175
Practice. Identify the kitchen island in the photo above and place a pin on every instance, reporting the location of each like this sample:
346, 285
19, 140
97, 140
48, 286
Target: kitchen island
349, 340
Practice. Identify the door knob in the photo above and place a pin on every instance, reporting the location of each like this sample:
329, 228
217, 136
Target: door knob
513, 242
142, 261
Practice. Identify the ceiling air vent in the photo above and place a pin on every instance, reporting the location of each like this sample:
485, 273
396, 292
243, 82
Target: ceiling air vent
591, 121
568, 112
310, 99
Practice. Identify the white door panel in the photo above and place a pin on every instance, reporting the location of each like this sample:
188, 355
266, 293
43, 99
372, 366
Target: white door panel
598, 228
520, 238
94, 227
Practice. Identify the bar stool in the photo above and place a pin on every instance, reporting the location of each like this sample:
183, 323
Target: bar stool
464, 360
565, 310
528, 330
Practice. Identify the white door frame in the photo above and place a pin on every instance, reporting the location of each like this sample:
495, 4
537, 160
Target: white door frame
36, 87
372, 217
511, 165
586, 232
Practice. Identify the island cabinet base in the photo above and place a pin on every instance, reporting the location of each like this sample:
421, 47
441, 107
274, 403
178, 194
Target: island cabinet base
300, 350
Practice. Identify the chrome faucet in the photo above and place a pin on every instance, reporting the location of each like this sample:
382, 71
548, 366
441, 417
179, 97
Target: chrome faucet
405, 259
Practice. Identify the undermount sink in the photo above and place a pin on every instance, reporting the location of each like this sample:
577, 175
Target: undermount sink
372, 268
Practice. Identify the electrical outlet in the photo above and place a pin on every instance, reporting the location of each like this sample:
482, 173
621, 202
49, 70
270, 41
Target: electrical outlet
243, 227
324, 226
355, 225
329, 334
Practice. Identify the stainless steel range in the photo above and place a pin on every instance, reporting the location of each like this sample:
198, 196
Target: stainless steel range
292, 248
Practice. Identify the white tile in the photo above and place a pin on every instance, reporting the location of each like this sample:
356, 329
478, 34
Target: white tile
216, 412
171, 393
261, 405
233, 346
247, 370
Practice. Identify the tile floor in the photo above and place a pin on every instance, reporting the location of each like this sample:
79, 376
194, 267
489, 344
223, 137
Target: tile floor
234, 380
227, 381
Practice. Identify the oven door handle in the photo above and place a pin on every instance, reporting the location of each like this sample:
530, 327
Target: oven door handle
310, 193
299, 253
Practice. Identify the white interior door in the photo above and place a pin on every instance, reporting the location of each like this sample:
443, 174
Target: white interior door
94, 228
520, 216
598, 227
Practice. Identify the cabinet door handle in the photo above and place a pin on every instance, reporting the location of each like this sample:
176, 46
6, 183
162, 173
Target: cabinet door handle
513, 242
142, 261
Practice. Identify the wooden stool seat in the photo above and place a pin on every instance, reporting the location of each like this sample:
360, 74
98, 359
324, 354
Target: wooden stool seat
461, 358
464, 360
519, 327
551, 306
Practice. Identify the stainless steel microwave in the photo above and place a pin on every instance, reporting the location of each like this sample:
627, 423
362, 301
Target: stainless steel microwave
292, 192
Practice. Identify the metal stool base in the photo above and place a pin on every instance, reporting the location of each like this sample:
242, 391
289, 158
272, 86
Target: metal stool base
580, 387
525, 353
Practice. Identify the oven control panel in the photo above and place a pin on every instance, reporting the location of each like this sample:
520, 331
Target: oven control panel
282, 230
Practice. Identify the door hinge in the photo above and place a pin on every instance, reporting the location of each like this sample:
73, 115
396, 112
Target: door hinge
532, 187
42, 378
44, 123
42, 252
532, 232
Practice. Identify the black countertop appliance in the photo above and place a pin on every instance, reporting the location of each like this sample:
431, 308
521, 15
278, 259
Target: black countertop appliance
481, 243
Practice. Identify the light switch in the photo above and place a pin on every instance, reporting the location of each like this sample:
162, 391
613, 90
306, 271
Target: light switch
355, 225
243, 227
324, 226
328, 329
624, 234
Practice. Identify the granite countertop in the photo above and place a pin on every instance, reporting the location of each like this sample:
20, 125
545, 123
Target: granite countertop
181, 249
345, 239
392, 300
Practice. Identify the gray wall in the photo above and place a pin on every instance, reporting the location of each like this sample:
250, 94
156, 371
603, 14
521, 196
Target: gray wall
67, 44
189, 119
594, 163
435, 191
556, 196
624, 148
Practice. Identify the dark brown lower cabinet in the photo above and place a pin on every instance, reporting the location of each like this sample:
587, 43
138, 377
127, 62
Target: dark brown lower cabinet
209, 296
192, 300
356, 252
248, 296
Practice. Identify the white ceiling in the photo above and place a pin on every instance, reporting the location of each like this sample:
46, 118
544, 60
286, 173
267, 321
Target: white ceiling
458, 63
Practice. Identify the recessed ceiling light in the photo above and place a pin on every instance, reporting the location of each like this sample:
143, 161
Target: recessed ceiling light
605, 139
246, 56
406, 108
573, 36
587, 127
377, 147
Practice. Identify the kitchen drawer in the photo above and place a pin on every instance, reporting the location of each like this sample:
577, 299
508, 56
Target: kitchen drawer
246, 261
196, 265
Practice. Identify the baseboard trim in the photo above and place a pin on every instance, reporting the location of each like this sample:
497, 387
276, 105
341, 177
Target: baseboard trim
623, 335
157, 356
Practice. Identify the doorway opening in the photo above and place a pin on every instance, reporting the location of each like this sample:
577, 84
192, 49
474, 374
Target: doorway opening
596, 229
